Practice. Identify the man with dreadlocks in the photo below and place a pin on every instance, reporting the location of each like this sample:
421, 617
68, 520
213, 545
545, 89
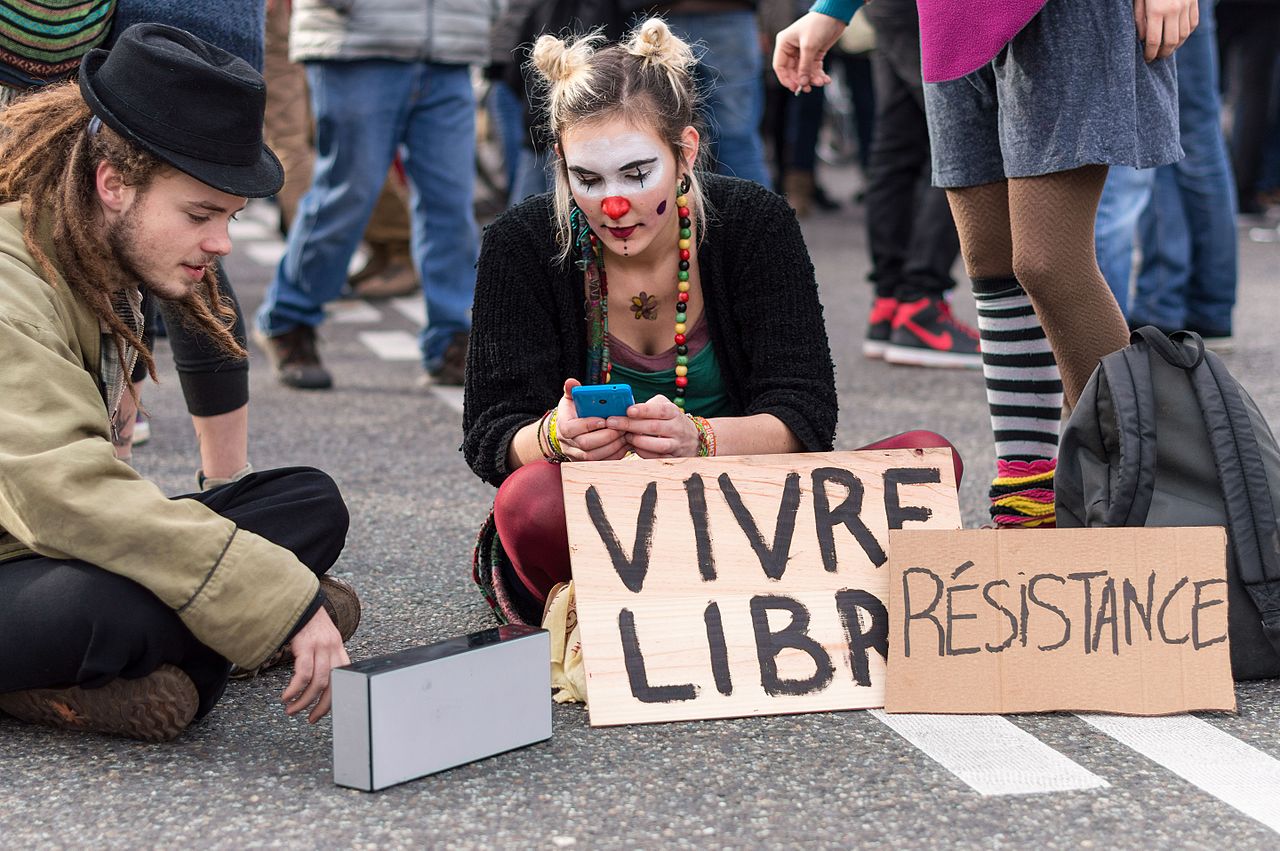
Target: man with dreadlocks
121, 611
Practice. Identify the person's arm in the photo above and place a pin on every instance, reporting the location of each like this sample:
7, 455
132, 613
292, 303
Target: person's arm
800, 48
63, 494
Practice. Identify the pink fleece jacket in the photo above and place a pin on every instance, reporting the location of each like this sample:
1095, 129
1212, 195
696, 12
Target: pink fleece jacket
957, 37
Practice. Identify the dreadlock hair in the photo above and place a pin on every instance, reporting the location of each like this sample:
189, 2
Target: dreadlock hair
647, 80
48, 163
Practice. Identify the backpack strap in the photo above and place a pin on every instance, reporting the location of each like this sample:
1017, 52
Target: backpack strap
1128, 377
1174, 352
1251, 516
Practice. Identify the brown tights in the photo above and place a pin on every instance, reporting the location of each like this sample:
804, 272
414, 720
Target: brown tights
1040, 230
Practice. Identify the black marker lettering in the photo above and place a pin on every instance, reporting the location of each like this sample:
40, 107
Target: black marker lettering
1195, 614
795, 636
848, 513
633, 659
1131, 602
952, 618
1165, 605
926, 613
1088, 603
849, 603
630, 570
893, 508
1013, 621
695, 492
1105, 616
772, 559
719, 651
1066, 622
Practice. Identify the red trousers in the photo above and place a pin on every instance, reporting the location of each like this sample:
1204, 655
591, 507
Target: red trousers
530, 517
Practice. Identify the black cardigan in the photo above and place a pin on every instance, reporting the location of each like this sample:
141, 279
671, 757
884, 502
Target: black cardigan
529, 330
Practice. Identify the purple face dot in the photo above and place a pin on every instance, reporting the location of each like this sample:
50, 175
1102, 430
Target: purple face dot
662, 208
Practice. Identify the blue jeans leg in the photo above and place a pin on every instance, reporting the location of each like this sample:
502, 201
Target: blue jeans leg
358, 108
1124, 196
507, 113
1205, 188
439, 158
731, 73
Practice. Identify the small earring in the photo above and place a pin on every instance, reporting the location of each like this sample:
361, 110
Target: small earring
684, 184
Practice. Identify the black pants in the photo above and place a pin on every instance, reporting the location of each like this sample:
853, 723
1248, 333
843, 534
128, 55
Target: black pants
212, 383
65, 622
912, 237
1248, 44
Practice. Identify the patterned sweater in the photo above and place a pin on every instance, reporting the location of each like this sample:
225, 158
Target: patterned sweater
529, 329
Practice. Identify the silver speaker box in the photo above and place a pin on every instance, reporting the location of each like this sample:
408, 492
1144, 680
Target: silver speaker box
422, 710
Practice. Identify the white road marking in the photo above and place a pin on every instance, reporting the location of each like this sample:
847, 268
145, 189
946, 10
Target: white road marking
991, 754
252, 229
392, 345
413, 307
352, 312
451, 396
266, 254
1231, 770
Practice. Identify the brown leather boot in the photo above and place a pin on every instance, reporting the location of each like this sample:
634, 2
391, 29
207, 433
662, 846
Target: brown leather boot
798, 187
343, 605
154, 708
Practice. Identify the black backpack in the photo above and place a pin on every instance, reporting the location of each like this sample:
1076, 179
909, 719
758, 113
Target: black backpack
1164, 436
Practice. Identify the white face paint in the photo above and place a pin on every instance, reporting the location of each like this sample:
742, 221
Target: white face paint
612, 159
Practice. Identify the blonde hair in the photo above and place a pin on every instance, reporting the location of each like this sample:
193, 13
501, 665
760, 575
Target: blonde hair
647, 80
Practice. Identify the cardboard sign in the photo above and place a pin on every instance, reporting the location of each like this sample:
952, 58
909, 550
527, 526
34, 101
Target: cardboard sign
1132, 621
754, 585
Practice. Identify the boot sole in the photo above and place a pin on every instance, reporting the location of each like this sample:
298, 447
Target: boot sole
154, 708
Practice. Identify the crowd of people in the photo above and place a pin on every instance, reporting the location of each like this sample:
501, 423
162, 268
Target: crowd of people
1044, 143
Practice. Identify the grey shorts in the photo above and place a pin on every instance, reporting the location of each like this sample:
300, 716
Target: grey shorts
1071, 89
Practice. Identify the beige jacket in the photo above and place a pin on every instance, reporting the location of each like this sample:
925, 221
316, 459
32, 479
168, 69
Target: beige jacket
63, 494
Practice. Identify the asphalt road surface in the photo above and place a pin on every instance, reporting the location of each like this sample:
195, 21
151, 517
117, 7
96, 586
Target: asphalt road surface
248, 776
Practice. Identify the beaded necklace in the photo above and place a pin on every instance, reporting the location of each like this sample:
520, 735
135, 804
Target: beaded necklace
591, 262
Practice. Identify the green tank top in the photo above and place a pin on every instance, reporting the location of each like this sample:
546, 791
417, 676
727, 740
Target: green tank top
706, 396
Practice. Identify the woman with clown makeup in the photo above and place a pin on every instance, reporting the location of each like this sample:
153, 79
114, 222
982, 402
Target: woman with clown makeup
638, 268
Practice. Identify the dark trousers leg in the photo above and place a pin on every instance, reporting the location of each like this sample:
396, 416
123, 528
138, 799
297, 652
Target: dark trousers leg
65, 622
912, 237
212, 382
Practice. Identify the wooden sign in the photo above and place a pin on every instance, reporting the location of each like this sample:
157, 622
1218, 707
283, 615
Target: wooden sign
1132, 621
753, 585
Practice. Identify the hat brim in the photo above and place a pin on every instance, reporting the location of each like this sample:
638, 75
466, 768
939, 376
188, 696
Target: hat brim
261, 179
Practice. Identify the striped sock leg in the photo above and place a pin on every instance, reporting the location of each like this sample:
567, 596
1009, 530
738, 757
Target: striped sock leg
1024, 394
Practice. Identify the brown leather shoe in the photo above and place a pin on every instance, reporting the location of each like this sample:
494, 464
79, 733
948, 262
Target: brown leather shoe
343, 605
154, 708
453, 367
398, 278
295, 358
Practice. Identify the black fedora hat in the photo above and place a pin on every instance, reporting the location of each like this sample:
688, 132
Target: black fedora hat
193, 105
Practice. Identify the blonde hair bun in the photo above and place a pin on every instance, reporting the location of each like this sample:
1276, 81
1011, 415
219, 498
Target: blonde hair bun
654, 42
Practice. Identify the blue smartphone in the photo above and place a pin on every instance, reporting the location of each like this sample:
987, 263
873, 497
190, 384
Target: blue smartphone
603, 400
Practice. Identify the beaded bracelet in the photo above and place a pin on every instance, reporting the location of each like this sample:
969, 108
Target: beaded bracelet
553, 440
544, 446
706, 436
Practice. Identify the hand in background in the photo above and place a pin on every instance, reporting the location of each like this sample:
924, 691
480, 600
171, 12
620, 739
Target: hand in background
1163, 25
800, 49
317, 650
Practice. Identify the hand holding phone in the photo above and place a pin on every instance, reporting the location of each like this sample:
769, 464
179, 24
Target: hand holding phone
602, 400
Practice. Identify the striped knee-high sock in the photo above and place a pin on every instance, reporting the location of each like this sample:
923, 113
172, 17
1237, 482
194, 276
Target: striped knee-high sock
1024, 394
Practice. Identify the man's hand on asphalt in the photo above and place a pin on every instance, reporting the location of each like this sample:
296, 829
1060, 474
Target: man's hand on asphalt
317, 650
800, 49
1163, 25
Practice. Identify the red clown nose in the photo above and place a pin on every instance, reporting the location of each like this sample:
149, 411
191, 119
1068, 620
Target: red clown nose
615, 207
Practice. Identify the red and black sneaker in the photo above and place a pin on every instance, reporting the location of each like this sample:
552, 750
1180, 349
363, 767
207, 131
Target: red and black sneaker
926, 333
879, 327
